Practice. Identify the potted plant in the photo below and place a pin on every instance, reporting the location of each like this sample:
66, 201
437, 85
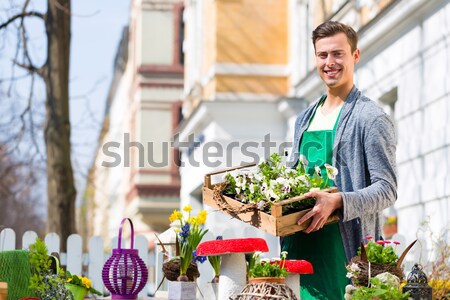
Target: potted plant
266, 279
376, 271
79, 286
188, 237
270, 196
265, 270
46, 283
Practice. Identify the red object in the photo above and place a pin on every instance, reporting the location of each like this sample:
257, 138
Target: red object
219, 247
297, 266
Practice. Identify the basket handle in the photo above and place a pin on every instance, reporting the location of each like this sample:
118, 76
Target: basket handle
120, 233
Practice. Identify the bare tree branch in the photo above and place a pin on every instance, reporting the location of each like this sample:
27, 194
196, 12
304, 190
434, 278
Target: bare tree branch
21, 16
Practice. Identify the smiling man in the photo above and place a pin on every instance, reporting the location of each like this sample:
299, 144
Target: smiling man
345, 129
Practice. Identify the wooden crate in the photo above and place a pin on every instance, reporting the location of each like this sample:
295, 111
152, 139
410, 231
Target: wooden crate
274, 223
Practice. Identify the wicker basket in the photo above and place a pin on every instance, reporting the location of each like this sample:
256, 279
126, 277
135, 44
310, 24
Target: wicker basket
265, 290
370, 270
373, 270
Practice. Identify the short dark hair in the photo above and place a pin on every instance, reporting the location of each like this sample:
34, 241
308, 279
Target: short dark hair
330, 28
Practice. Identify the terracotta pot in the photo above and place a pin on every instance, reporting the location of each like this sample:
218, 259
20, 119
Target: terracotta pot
279, 280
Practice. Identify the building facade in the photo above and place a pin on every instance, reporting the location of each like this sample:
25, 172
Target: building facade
136, 168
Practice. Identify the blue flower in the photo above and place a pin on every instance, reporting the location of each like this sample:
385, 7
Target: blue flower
200, 259
184, 233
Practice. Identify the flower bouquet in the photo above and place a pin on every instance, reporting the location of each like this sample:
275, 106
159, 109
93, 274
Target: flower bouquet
189, 236
269, 196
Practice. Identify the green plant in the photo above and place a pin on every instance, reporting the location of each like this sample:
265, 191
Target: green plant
81, 281
43, 282
258, 267
215, 261
189, 236
271, 181
381, 290
380, 252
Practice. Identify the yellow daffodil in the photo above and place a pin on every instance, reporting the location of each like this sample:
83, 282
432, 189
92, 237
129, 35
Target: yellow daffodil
176, 215
192, 221
87, 283
187, 208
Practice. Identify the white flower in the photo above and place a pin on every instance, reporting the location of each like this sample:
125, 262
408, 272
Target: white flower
350, 275
259, 176
251, 188
317, 168
303, 179
354, 268
238, 191
286, 189
314, 189
282, 180
331, 171
389, 279
263, 187
240, 181
273, 184
271, 195
261, 204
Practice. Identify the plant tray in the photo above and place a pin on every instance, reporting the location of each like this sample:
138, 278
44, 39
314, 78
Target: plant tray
274, 223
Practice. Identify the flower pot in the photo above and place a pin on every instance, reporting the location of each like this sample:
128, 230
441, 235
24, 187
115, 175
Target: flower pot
178, 290
78, 291
278, 280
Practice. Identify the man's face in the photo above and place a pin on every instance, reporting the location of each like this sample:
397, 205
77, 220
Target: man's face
335, 61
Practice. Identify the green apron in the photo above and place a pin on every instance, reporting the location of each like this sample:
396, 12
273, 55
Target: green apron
323, 248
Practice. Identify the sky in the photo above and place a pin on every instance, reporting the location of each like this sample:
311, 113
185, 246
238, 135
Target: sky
97, 27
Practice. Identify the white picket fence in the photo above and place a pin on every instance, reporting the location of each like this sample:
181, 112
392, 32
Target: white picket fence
74, 260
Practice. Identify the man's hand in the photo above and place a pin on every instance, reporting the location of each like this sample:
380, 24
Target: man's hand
326, 204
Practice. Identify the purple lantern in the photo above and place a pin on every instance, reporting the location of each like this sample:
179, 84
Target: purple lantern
125, 273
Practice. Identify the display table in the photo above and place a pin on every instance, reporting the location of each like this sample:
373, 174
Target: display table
158, 296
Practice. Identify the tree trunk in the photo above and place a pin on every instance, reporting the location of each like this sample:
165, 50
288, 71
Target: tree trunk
61, 188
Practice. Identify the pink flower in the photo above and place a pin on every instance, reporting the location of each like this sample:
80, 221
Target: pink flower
387, 242
380, 242
397, 243
369, 237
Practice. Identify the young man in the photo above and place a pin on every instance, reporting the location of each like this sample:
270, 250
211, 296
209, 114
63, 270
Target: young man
349, 131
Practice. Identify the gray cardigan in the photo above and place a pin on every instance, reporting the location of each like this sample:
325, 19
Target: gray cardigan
364, 154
